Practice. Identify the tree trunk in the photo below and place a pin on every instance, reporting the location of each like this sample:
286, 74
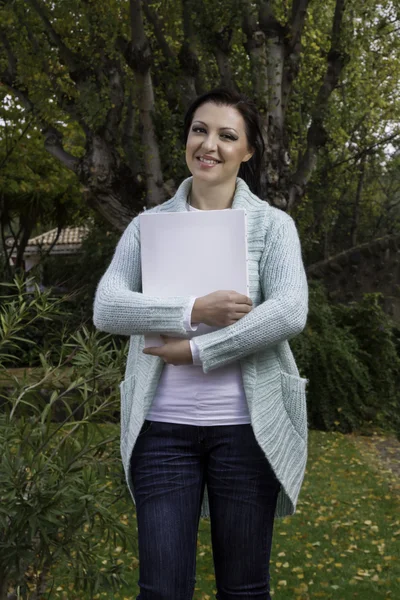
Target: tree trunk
357, 201
223, 41
115, 184
108, 184
140, 61
41, 583
3, 586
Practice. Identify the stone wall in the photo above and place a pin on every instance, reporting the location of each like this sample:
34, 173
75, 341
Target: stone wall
370, 267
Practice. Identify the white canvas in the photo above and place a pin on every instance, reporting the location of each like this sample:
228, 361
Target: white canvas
193, 253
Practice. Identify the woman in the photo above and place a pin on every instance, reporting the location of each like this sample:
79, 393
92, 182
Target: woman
213, 424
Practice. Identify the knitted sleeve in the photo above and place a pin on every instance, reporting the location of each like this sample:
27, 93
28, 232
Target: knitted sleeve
119, 305
281, 316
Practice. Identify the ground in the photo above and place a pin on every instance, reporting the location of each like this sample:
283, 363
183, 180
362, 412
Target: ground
383, 452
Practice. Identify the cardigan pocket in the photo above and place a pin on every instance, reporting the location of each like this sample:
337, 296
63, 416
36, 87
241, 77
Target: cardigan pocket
294, 399
126, 392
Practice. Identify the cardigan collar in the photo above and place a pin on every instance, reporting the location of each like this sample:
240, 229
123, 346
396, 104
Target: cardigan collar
240, 199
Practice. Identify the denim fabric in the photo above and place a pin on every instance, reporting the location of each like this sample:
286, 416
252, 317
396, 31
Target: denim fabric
170, 465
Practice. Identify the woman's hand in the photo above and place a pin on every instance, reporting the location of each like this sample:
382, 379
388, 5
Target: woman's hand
174, 352
220, 309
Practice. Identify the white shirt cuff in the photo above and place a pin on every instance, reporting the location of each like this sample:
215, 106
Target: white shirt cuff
187, 319
195, 353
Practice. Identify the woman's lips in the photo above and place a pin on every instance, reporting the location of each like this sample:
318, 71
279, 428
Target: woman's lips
207, 165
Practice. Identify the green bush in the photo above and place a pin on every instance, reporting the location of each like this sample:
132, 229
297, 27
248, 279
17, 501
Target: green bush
379, 351
80, 274
31, 323
349, 355
59, 482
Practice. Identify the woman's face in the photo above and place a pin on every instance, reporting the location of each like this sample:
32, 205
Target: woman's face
217, 143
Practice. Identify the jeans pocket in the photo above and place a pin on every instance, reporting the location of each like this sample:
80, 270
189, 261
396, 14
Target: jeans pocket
145, 427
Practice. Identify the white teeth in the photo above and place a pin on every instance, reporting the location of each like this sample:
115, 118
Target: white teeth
208, 161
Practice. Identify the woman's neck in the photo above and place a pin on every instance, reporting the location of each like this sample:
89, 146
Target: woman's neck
212, 197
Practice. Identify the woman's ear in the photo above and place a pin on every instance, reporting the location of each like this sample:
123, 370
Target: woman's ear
248, 156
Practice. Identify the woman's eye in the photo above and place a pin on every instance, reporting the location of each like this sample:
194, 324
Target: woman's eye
224, 135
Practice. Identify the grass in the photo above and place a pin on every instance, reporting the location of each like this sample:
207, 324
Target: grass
342, 543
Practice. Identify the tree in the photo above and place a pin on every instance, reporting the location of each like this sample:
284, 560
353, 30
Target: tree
345, 204
36, 190
122, 73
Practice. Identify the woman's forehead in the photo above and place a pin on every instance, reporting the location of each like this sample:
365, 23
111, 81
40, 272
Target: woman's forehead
220, 116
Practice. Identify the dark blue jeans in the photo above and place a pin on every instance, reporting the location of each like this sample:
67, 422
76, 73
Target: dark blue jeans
170, 465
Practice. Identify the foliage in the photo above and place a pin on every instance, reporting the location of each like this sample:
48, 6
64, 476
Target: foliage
37, 191
375, 334
32, 324
72, 69
349, 356
81, 273
350, 199
25, 168
57, 502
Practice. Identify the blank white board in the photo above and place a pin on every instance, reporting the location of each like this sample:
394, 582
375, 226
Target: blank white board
193, 253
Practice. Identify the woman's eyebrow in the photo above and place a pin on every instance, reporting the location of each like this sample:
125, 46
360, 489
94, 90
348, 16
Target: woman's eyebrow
202, 122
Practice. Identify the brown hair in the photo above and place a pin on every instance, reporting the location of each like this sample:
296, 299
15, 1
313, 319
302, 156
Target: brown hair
249, 171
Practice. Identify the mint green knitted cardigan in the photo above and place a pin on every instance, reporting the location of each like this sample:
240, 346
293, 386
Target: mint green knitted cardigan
275, 393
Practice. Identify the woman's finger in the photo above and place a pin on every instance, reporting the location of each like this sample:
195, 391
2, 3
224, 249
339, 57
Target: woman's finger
154, 350
236, 316
165, 338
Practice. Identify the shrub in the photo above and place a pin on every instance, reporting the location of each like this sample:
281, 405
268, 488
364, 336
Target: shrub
59, 481
80, 274
376, 337
349, 355
32, 323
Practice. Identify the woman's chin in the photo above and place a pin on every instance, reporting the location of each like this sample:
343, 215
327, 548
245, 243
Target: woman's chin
207, 175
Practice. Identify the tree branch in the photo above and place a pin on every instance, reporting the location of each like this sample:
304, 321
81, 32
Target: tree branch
275, 35
367, 150
71, 60
128, 130
80, 72
357, 201
117, 100
188, 59
5, 221
293, 48
138, 57
53, 144
320, 268
181, 90
255, 47
152, 17
316, 135
9, 76
53, 137
11, 150
12, 61
223, 42
64, 101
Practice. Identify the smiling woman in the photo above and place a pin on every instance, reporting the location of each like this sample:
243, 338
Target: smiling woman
216, 147
223, 139
214, 421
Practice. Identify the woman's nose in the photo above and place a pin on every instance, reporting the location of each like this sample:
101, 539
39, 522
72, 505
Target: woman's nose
210, 142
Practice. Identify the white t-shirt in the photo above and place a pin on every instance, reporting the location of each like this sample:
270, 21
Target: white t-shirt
187, 395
